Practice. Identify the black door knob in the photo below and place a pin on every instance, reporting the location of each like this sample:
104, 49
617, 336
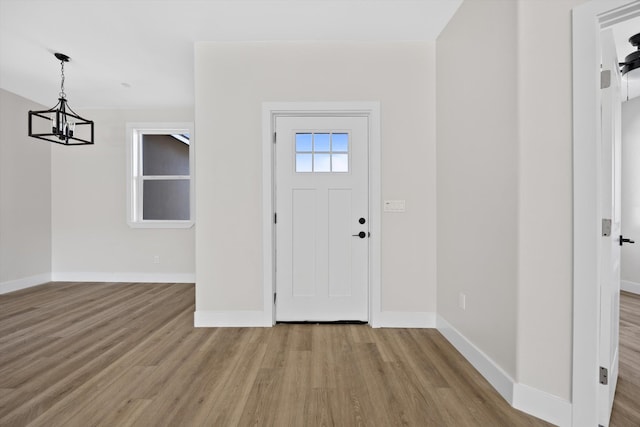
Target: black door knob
623, 240
361, 235
362, 220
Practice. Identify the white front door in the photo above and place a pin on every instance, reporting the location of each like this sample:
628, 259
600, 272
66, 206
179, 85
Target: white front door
322, 223
609, 277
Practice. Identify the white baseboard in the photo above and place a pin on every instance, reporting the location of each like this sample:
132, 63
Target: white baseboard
404, 319
542, 405
123, 277
25, 282
499, 379
233, 319
534, 402
628, 286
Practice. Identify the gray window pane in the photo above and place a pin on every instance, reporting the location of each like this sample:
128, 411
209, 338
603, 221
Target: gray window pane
164, 155
166, 200
340, 142
303, 163
303, 142
321, 142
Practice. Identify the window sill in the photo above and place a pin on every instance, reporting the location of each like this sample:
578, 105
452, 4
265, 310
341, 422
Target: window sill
160, 224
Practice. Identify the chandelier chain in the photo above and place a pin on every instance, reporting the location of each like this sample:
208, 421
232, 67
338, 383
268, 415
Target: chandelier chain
62, 94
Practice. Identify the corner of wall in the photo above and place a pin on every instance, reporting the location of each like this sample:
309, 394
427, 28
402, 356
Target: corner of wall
541, 404
25, 215
535, 402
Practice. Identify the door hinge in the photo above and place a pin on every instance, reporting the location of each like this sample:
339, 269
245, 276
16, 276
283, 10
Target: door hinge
604, 376
274, 137
275, 217
605, 79
275, 296
606, 227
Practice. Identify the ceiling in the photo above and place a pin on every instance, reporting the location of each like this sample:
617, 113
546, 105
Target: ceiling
139, 53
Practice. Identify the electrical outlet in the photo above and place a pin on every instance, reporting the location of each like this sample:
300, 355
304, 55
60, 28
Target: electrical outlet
156, 259
462, 301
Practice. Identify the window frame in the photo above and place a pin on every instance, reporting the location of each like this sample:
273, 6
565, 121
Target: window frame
135, 178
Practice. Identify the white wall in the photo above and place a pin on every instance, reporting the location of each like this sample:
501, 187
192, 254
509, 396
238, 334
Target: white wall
504, 187
545, 300
477, 155
630, 273
91, 238
25, 198
232, 81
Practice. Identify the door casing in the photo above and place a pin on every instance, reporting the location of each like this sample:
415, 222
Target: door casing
588, 20
272, 110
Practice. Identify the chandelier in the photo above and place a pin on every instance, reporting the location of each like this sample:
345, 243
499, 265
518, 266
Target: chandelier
60, 124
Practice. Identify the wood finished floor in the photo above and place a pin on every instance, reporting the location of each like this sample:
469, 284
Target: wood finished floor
74, 354
626, 404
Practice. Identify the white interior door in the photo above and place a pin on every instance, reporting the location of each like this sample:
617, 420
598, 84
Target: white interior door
611, 238
322, 226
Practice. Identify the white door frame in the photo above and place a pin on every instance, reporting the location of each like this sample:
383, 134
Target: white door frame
588, 20
272, 110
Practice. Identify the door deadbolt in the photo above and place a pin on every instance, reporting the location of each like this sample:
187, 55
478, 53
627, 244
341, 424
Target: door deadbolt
362, 220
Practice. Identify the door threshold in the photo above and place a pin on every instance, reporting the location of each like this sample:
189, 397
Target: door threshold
323, 322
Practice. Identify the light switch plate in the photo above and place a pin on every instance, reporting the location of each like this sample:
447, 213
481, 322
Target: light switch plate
394, 205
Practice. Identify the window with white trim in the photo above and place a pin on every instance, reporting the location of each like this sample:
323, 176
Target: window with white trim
160, 175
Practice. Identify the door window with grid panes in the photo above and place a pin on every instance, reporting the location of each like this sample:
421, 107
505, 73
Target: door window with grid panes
322, 152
